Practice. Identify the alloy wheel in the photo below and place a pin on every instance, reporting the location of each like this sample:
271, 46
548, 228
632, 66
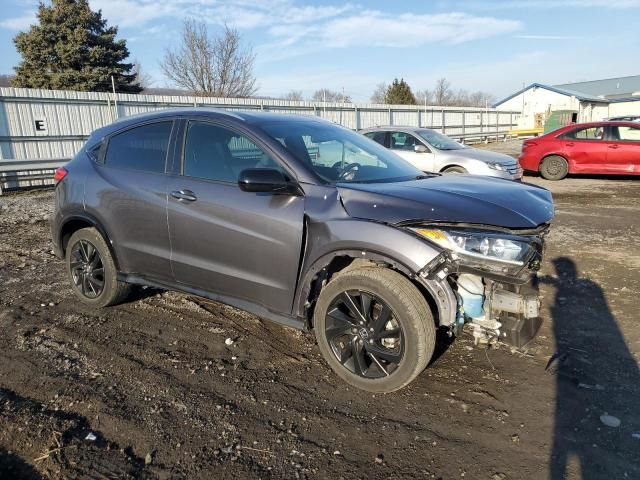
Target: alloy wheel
555, 166
364, 334
87, 269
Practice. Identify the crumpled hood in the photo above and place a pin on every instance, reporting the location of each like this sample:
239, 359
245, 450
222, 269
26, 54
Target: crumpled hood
482, 155
451, 199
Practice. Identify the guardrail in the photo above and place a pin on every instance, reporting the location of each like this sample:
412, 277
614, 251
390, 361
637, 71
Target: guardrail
18, 174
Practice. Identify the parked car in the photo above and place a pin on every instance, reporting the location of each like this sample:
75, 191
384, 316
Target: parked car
599, 147
625, 118
305, 223
431, 151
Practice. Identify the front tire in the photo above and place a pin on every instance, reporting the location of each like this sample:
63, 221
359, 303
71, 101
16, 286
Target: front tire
554, 167
374, 328
92, 271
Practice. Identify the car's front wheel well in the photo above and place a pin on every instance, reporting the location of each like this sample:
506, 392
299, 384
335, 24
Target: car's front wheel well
453, 168
343, 263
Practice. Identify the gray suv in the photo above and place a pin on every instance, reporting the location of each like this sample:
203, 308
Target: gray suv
305, 223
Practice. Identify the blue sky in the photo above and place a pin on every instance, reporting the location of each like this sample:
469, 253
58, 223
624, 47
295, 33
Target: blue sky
491, 45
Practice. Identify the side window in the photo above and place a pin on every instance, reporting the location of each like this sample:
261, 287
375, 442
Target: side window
625, 133
141, 148
590, 133
403, 141
216, 153
377, 137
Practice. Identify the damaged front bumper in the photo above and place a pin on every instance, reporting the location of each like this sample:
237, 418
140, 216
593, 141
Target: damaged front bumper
497, 305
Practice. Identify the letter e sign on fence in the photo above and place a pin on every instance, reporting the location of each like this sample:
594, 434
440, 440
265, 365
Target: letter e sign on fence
40, 126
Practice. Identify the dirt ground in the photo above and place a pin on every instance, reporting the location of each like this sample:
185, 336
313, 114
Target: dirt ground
150, 389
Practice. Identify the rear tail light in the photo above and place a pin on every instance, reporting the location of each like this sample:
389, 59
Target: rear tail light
61, 172
529, 143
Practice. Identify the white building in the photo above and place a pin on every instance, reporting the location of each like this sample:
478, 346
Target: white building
582, 101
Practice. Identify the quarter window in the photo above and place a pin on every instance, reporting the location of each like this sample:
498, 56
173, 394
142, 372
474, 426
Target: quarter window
141, 148
216, 153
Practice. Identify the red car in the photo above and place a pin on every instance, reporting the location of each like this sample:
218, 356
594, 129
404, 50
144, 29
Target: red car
599, 147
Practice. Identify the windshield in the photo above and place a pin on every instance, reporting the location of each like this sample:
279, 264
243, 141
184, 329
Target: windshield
339, 155
440, 141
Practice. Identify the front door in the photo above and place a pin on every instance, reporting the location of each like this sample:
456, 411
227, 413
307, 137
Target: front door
404, 144
623, 149
226, 241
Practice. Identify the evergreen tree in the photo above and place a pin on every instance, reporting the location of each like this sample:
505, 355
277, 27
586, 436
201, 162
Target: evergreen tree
72, 48
399, 93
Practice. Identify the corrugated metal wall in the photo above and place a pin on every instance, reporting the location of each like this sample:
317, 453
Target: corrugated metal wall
52, 124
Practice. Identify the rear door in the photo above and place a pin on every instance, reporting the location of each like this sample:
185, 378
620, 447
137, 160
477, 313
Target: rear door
623, 149
404, 144
128, 195
586, 149
226, 241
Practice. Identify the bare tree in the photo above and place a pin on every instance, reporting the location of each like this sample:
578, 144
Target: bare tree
294, 95
379, 93
6, 79
424, 97
141, 77
211, 66
442, 92
326, 95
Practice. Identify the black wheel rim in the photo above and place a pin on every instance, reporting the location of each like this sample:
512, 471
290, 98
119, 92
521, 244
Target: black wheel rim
364, 334
87, 269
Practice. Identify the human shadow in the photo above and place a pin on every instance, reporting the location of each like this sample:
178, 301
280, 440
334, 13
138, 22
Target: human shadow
596, 375
14, 468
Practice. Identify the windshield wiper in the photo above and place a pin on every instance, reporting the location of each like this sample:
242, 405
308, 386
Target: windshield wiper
427, 175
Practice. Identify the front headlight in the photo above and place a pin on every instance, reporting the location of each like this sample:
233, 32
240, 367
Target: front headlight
479, 245
496, 166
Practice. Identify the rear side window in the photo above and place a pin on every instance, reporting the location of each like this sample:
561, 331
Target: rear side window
377, 137
141, 148
589, 133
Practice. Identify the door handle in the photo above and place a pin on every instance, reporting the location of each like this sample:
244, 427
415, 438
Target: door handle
185, 195
570, 144
613, 146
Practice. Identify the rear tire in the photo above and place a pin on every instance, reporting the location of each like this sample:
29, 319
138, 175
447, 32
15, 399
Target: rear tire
388, 342
455, 169
554, 167
92, 271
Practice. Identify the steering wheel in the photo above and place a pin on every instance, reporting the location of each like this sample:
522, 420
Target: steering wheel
349, 171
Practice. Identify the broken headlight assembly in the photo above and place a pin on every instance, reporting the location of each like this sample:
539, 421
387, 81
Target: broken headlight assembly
501, 253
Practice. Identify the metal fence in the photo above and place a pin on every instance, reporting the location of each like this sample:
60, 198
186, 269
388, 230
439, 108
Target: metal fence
52, 124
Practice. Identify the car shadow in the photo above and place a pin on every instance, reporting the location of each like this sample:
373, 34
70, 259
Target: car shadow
597, 378
443, 341
592, 176
15, 468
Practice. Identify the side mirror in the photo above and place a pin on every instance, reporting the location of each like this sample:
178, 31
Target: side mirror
420, 149
266, 180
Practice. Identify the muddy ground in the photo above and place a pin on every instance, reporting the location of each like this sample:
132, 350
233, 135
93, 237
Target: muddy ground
149, 389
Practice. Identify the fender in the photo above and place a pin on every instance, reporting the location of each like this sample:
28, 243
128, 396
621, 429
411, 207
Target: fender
442, 296
90, 219
376, 242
